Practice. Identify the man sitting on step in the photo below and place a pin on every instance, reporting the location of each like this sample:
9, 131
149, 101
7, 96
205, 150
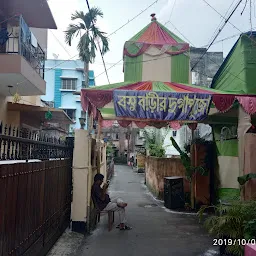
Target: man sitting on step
104, 203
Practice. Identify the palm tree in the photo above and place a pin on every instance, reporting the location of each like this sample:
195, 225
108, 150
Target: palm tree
91, 38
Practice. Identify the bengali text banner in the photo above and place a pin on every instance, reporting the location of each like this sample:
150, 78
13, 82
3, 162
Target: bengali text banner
161, 105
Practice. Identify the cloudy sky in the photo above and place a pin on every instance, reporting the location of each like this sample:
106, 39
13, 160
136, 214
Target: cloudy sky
193, 18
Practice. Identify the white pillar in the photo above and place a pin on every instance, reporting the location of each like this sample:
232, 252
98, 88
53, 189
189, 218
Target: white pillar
81, 167
244, 123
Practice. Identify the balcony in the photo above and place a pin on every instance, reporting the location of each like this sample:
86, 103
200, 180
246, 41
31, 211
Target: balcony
23, 59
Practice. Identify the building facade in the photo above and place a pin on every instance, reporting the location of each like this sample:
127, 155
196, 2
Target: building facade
204, 68
63, 79
23, 49
125, 141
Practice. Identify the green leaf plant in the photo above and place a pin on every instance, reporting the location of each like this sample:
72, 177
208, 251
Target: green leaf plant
232, 222
186, 161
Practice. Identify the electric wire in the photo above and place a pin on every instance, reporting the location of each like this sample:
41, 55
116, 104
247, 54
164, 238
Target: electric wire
226, 20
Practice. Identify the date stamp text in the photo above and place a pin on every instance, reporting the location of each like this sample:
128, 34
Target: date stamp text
229, 241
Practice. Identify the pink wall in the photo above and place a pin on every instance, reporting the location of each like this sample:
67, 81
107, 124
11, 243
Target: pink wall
250, 250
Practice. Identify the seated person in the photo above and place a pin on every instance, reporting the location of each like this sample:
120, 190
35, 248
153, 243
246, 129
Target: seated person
104, 203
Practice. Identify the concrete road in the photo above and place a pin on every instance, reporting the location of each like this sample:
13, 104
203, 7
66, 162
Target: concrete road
156, 230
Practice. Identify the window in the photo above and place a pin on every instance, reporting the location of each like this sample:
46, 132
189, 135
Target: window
117, 136
71, 113
69, 84
83, 84
174, 133
83, 114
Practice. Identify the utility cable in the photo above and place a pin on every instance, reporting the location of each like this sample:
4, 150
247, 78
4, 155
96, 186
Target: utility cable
16, 15
223, 19
220, 30
50, 68
229, 21
172, 9
179, 32
136, 16
64, 48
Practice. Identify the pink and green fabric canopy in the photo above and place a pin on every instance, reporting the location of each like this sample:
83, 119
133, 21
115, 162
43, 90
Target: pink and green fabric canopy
95, 99
157, 35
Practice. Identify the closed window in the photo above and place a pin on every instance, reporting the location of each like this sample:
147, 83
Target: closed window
83, 114
174, 133
69, 84
71, 113
83, 84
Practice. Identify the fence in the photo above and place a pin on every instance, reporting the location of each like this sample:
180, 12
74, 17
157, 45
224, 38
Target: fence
22, 144
35, 196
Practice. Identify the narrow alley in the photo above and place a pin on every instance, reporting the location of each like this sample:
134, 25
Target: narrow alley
156, 230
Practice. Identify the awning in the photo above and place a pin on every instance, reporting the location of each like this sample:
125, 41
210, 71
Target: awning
102, 101
58, 115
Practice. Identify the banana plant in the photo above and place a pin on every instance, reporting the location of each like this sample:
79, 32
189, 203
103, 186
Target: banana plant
186, 161
243, 179
189, 169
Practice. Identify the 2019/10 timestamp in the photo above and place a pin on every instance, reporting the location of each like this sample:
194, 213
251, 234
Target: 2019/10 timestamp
230, 241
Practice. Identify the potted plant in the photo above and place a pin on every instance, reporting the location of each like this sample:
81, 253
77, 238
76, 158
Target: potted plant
232, 226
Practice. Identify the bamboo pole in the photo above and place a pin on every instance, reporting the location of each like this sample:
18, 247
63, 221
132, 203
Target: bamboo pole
99, 129
192, 189
98, 141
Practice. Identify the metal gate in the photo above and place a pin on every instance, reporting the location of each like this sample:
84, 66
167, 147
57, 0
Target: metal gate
35, 191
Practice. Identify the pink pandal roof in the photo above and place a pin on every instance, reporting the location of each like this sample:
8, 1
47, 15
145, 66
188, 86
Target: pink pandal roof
156, 35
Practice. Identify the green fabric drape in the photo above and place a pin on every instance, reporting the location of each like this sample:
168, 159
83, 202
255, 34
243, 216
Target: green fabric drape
180, 68
161, 87
109, 86
140, 33
226, 147
237, 73
108, 113
228, 194
133, 69
133, 65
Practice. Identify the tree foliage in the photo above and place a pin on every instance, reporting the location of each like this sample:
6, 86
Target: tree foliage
186, 161
86, 28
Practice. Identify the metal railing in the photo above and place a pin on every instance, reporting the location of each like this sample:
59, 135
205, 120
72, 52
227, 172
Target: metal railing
16, 38
23, 144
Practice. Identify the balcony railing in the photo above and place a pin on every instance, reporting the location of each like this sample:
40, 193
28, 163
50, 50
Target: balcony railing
16, 38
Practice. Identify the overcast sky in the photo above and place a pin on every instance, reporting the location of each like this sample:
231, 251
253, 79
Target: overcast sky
193, 18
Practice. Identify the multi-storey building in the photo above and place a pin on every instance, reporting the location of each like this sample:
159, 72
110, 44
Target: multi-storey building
204, 65
63, 79
23, 48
